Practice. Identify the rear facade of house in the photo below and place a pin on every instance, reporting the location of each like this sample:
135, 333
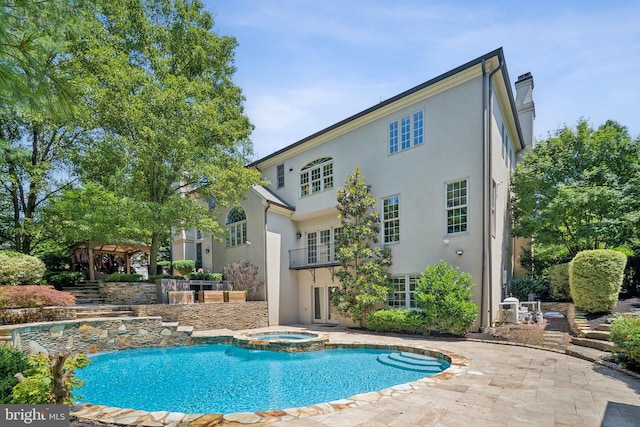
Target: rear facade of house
437, 158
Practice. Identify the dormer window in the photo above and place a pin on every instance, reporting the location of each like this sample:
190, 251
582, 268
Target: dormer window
316, 176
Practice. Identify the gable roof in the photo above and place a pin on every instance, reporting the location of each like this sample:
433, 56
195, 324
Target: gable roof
497, 53
272, 197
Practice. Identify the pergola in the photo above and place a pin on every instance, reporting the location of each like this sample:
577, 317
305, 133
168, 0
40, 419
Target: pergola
123, 250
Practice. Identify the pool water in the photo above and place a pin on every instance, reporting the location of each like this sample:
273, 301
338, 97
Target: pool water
282, 336
222, 378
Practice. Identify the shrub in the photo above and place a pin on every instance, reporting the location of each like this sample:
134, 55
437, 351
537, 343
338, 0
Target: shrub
20, 269
184, 266
50, 380
244, 277
625, 333
12, 361
33, 297
411, 321
122, 277
444, 295
66, 278
522, 287
216, 277
559, 282
595, 278
152, 278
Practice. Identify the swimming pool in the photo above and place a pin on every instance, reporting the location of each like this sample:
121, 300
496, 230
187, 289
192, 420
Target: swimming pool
221, 378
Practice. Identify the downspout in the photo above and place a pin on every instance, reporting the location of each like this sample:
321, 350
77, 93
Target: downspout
487, 255
266, 272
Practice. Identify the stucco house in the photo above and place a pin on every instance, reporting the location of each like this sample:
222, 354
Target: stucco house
438, 159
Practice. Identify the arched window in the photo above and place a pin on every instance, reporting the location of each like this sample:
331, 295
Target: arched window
236, 225
316, 176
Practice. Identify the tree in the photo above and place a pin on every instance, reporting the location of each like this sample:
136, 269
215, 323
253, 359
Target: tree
172, 132
39, 111
363, 277
579, 189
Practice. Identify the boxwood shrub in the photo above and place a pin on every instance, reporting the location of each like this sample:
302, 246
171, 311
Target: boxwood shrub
20, 269
216, 277
559, 282
121, 277
625, 333
595, 278
403, 321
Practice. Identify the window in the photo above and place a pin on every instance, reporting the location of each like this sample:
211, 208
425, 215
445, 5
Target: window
403, 288
198, 234
457, 207
409, 131
212, 203
236, 224
316, 176
280, 174
321, 245
406, 132
391, 219
393, 137
418, 128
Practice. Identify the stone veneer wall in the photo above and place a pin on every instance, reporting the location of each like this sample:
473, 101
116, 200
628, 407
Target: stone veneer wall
98, 335
128, 293
203, 316
16, 316
566, 308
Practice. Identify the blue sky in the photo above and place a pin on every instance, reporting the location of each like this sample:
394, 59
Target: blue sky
304, 65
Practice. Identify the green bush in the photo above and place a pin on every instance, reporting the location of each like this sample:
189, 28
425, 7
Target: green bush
216, 277
33, 297
122, 277
184, 266
444, 295
403, 321
625, 333
559, 282
65, 278
37, 388
12, 361
595, 278
20, 269
522, 287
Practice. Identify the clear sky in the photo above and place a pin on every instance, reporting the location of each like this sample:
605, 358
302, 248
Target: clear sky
304, 65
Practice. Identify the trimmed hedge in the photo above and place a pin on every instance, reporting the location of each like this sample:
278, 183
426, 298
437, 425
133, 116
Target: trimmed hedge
121, 277
184, 266
595, 278
559, 282
216, 277
402, 321
20, 269
625, 333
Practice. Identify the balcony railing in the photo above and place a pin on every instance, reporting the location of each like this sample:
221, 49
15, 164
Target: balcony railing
323, 255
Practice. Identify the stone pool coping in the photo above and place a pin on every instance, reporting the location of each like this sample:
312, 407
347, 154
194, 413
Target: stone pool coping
129, 417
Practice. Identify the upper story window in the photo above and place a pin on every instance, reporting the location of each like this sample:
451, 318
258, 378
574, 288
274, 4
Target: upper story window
391, 219
236, 225
407, 132
457, 199
316, 176
280, 176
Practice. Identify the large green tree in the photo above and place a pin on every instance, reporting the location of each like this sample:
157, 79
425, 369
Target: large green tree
172, 130
578, 189
363, 274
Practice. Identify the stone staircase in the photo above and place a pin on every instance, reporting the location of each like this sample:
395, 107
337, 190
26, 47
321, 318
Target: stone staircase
412, 362
592, 344
86, 292
97, 311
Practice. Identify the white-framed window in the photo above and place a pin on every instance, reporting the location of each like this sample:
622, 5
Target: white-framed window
236, 225
403, 288
280, 175
407, 132
391, 219
457, 206
321, 245
316, 176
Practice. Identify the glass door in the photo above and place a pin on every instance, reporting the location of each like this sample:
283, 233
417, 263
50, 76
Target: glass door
323, 309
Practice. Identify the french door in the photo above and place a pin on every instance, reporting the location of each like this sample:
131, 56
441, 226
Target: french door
323, 310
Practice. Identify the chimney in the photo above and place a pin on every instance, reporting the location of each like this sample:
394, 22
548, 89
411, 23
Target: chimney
526, 107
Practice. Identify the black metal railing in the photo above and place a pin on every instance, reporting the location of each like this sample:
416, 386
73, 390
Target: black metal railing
322, 255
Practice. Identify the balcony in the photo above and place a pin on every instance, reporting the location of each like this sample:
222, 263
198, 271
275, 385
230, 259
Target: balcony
322, 255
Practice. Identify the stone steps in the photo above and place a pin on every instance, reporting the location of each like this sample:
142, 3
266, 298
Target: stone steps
86, 292
86, 312
598, 344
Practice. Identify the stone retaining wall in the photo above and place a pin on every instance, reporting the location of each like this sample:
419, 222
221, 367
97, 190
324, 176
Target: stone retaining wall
128, 293
16, 316
203, 316
97, 335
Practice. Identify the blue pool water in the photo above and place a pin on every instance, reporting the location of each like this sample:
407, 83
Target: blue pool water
225, 379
